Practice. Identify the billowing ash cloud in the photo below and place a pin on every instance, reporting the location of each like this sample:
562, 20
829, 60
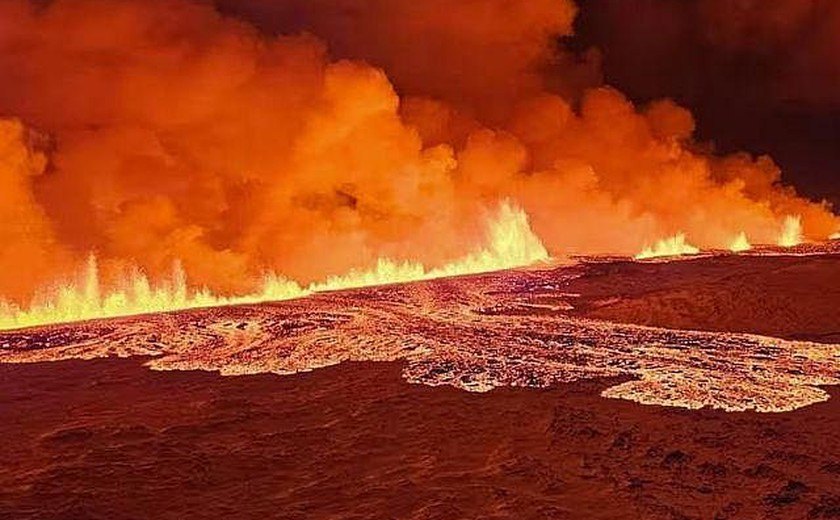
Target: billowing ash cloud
333, 134
479, 55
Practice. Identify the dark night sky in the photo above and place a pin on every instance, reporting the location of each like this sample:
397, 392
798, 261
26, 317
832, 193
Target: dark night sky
765, 85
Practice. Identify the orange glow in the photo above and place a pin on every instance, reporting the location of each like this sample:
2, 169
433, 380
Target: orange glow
84, 298
741, 243
510, 243
791, 232
162, 132
672, 246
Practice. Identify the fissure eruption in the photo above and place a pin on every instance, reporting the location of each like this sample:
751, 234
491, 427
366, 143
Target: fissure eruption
336, 144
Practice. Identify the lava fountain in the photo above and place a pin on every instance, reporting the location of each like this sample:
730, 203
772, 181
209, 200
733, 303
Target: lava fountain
510, 242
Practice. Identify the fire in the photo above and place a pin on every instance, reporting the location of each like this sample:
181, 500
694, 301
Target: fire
510, 243
791, 232
173, 130
672, 246
85, 299
741, 243
835, 236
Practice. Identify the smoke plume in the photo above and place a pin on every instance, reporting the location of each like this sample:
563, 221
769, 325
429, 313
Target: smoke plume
334, 133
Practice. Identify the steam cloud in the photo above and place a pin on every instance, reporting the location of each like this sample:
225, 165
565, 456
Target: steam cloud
335, 133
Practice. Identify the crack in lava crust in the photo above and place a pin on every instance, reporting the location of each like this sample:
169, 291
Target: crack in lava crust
476, 333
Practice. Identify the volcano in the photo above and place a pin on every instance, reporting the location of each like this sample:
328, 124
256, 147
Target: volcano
541, 391
419, 259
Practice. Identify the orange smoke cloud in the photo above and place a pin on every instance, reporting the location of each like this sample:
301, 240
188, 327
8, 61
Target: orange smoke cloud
164, 131
480, 56
29, 251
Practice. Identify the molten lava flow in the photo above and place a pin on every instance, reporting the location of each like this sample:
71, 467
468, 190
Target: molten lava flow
741, 243
791, 232
510, 243
482, 332
673, 246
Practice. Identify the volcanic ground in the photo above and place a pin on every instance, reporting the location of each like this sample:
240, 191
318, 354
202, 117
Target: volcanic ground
603, 388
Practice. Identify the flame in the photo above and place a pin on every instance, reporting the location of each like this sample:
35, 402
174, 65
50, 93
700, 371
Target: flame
176, 130
672, 246
835, 236
511, 243
84, 299
791, 231
741, 243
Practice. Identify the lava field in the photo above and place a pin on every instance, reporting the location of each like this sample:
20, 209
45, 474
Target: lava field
524, 328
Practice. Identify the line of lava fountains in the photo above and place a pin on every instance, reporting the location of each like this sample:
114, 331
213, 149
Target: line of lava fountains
790, 236
510, 243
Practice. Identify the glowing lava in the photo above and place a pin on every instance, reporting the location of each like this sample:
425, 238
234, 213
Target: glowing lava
741, 243
791, 232
508, 328
673, 246
510, 243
